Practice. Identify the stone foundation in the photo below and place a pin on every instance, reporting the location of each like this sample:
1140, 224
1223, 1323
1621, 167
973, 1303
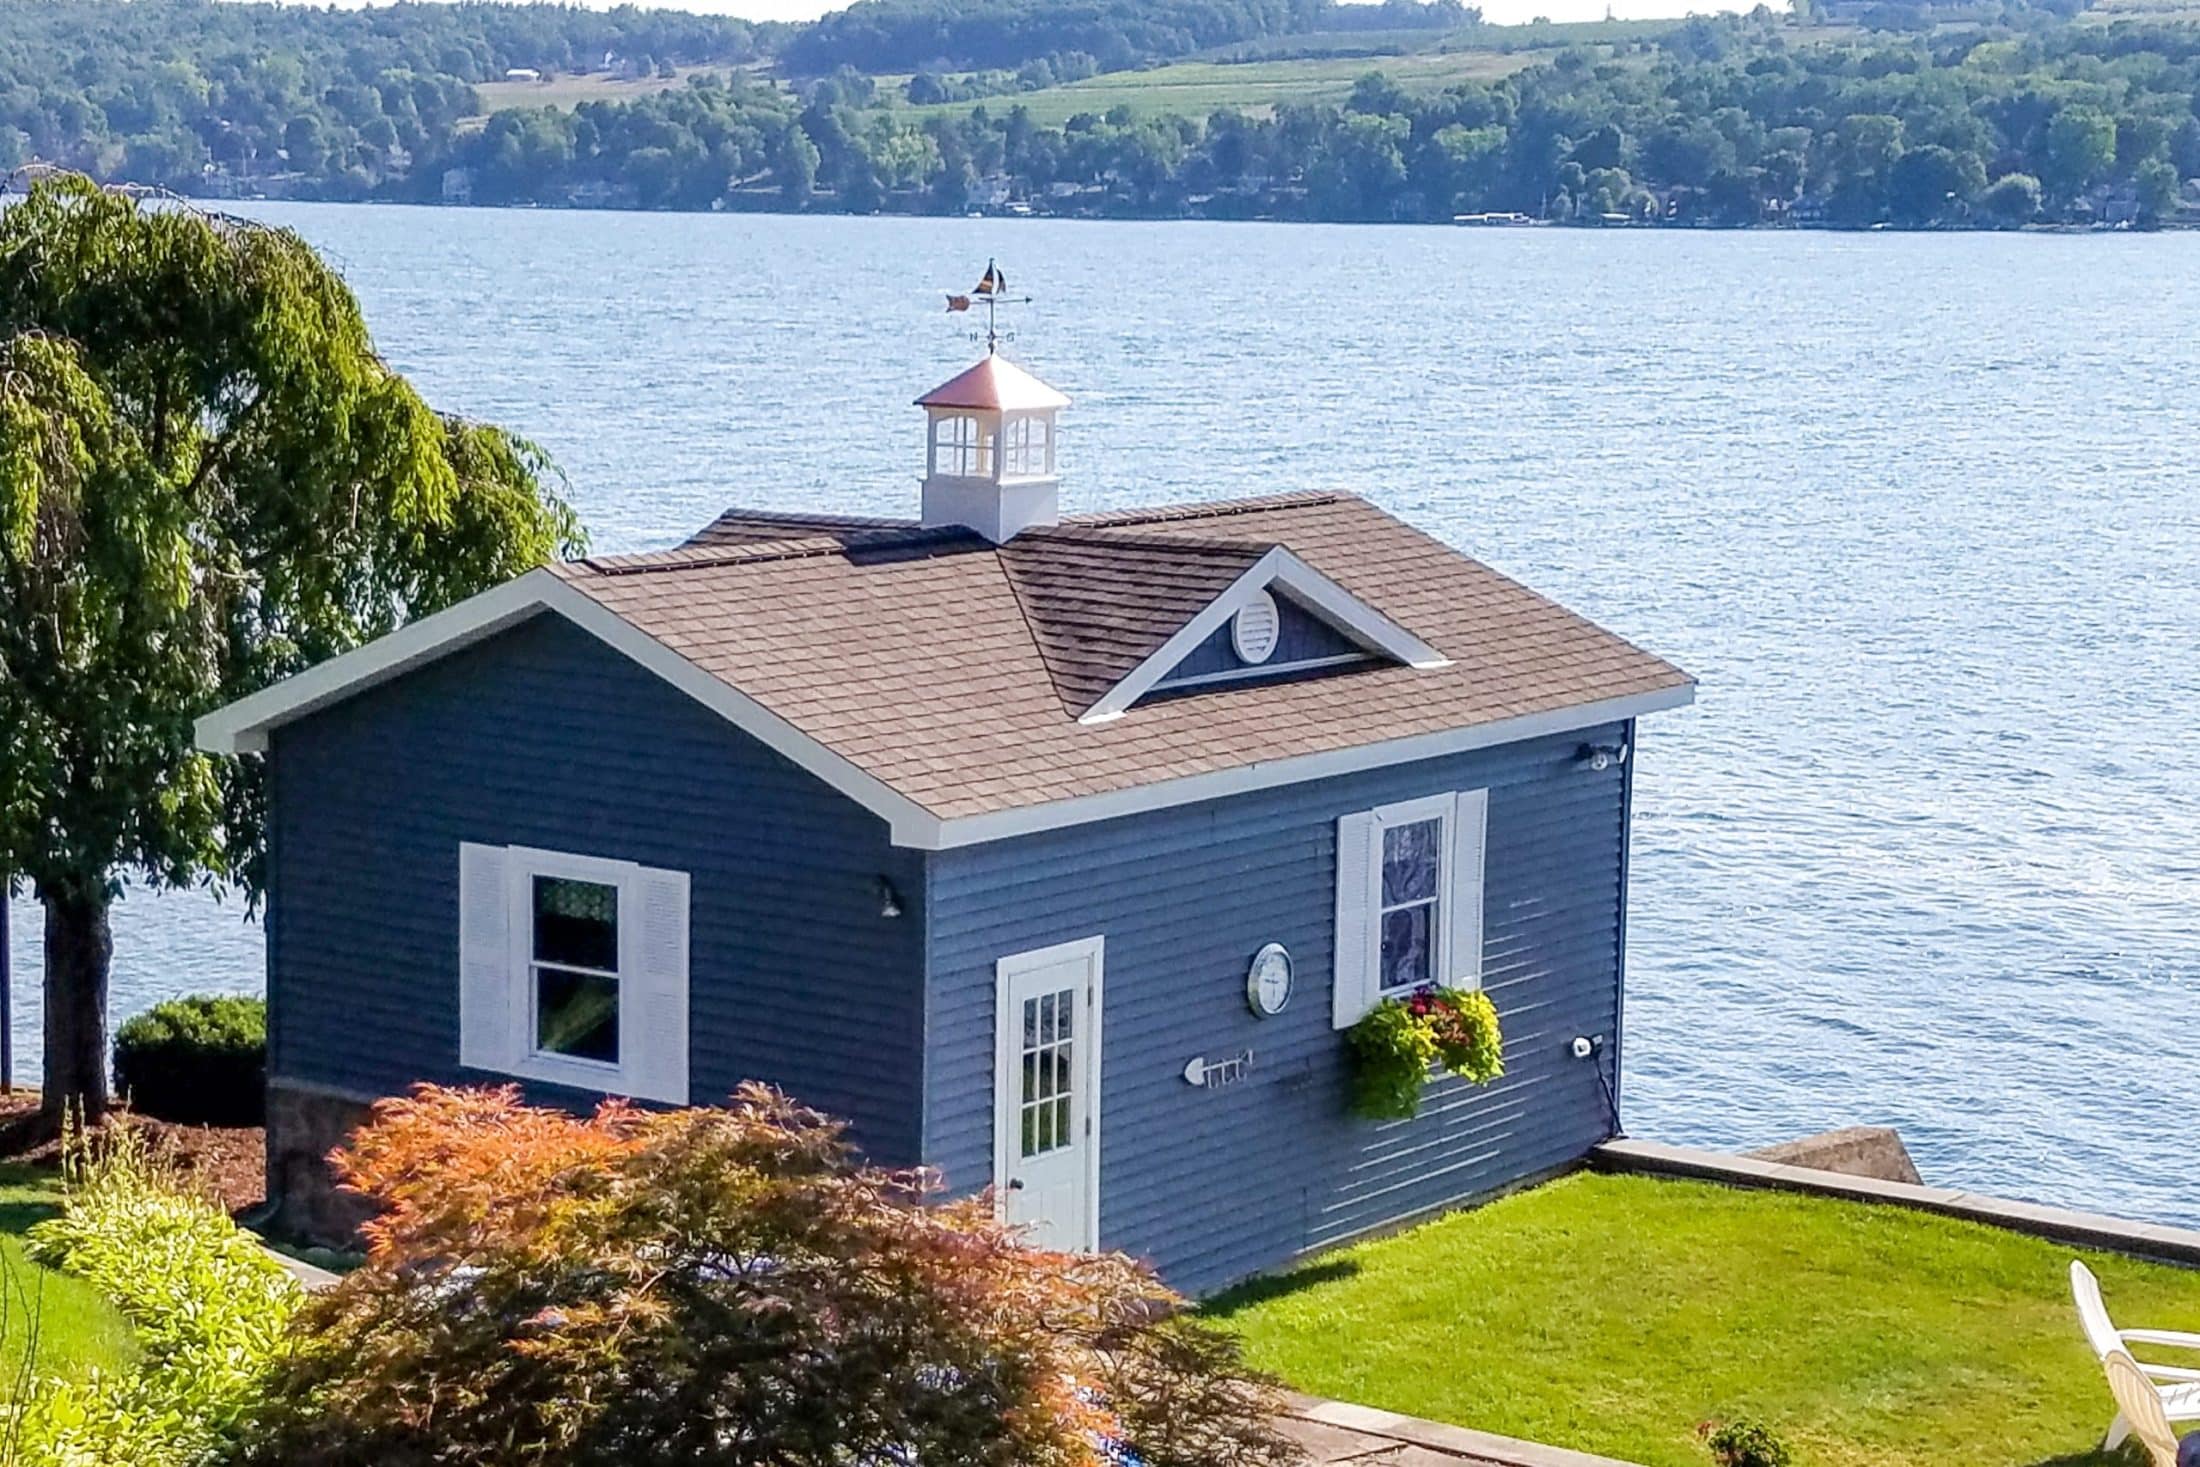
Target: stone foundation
304, 1124
1854, 1151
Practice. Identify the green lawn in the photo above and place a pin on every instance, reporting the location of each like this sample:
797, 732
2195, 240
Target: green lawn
1196, 88
75, 1327
1613, 1314
567, 92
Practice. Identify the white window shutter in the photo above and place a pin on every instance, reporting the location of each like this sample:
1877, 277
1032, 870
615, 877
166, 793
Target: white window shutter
1470, 821
486, 980
1359, 870
656, 1014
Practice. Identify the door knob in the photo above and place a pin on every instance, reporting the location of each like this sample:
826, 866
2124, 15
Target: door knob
1015, 1184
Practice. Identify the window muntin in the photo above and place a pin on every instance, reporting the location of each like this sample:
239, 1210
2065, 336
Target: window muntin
1410, 918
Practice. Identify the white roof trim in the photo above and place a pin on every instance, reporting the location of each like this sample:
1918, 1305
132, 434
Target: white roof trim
242, 727
1306, 585
971, 830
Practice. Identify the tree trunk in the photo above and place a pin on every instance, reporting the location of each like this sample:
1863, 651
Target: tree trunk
7, 989
78, 949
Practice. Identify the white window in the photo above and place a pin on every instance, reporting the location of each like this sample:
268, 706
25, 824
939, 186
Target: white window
1025, 450
962, 445
574, 969
1409, 899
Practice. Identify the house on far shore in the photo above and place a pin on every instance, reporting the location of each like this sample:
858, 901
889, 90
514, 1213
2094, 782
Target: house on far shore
1053, 851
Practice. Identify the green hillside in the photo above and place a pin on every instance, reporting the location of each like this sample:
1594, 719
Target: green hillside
1197, 88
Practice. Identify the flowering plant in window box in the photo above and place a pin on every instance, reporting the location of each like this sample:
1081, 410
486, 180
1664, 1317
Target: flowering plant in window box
1396, 1043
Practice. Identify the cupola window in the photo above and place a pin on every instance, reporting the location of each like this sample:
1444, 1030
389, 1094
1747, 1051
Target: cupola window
962, 445
1028, 449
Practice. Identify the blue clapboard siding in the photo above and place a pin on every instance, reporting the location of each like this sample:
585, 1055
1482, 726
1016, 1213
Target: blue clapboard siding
543, 737
1300, 637
1214, 1184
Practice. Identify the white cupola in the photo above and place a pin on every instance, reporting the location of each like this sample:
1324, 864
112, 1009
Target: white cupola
989, 450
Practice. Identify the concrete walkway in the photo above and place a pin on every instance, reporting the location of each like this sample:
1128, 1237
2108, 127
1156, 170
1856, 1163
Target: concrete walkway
1336, 1433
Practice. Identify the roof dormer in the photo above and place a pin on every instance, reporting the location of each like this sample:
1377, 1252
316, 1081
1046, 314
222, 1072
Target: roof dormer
1120, 617
989, 462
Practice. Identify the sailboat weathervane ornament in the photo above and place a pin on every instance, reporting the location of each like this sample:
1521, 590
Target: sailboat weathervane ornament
992, 288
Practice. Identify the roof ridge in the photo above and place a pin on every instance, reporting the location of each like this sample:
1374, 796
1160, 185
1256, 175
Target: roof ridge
1205, 510
813, 517
648, 562
756, 552
1091, 536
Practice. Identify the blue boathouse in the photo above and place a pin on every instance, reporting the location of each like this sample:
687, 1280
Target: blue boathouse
1053, 851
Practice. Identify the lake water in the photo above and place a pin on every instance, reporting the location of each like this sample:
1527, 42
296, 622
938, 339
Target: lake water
1922, 512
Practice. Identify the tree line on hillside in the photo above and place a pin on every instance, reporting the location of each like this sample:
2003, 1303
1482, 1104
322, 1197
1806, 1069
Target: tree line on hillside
1732, 120
178, 92
888, 36
1725, 123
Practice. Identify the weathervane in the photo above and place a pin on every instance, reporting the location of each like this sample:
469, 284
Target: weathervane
992, 289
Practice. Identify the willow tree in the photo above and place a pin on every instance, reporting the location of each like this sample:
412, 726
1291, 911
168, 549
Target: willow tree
208, 480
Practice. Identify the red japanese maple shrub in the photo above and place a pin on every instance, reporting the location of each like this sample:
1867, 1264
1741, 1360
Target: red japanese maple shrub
727, 1286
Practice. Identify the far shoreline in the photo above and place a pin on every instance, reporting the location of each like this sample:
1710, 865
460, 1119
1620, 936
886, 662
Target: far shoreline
215, 203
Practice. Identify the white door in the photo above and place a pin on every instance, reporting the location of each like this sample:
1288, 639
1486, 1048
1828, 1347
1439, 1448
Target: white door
1046, 1090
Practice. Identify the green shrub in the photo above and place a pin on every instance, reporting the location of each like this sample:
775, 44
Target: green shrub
201, 1060
210, 1308
726, 1286
1747, 1443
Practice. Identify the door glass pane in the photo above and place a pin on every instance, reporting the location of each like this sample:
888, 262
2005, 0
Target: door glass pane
1046, 1101
577, 1014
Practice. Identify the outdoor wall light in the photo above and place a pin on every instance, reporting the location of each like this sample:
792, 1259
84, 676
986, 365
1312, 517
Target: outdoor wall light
1584, 1046
889, 900
1601, 757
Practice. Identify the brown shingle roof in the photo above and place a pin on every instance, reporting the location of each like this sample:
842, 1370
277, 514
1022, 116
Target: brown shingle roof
952, 671
1099, 602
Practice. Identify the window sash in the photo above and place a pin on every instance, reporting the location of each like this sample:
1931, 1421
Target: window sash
1436, 809
1025, 450
526, 969
961, 446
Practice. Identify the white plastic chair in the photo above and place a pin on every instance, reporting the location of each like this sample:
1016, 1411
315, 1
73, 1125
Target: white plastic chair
2174, 1388
2140, 1407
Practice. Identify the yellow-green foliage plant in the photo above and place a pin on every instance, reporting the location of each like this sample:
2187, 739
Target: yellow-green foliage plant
1395, 1044
210, 1308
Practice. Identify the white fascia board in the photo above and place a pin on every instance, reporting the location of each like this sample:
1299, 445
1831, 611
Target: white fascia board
242, 727
1315, 591
970, 830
